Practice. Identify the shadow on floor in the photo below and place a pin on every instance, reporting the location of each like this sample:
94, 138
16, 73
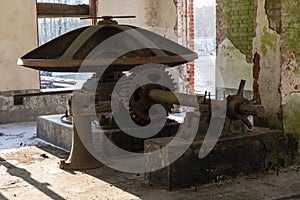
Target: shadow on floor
26, 176
2, 197
135, 184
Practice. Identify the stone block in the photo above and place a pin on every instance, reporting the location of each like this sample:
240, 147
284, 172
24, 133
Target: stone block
52, 130
232, 155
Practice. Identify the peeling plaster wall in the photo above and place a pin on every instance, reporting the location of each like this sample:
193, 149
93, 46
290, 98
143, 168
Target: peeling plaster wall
249, 49
159, 16
291, 114
239, 19
276, 57
235, 31
32, 106
162, 16
18, 36
267, 45
290, 69
273, 10
232, 67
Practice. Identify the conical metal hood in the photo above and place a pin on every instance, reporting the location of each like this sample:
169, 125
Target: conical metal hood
106, 44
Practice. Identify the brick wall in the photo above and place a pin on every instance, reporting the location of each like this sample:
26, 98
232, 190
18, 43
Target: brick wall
291, 29
235, 20
290, 48
220, 23
273, 10
290, 69
185, 31
276, 63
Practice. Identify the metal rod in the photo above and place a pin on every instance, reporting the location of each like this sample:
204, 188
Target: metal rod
241, 88
162, 96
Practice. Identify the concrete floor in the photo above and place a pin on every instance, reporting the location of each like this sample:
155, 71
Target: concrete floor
32, 172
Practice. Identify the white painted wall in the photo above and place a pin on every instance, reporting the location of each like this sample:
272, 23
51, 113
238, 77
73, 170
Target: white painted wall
124, 7
159, 16
232, 67
18, 36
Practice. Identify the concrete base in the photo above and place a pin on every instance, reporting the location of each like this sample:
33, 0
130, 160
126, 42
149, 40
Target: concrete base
52, 130
232, 155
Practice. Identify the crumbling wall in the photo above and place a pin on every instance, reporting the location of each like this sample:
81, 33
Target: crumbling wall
290, 69
267, 33
242, 32
266, 44
186, 33
273, 11
161, 17
232, 66
239, 17
235, 21
235, 32
27, 108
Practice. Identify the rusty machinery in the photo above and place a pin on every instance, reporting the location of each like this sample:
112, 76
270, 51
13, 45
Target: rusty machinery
70, 53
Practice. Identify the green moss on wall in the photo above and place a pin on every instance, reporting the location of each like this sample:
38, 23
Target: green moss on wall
273, 10
297, 71
239, 19
292, 123
291, 28
291, 111
269, 121
268, 40
277, 156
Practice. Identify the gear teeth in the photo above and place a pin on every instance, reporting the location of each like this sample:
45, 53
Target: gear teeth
129, 84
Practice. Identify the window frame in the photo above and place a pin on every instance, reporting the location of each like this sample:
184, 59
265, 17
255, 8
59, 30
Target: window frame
57, 10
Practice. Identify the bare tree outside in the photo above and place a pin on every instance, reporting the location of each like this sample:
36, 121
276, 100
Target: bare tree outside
205, 45
51, 28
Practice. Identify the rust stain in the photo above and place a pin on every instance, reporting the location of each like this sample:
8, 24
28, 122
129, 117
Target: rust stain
256, 71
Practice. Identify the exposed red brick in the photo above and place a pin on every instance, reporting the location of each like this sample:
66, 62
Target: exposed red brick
256, 71
186, 29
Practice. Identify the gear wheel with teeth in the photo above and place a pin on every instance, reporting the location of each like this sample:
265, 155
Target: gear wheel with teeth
135, 90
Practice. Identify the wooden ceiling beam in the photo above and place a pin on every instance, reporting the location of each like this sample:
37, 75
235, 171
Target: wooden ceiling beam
49, 10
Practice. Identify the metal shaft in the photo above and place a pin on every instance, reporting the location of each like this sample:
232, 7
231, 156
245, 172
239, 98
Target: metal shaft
190, 100
162, 96
249, 109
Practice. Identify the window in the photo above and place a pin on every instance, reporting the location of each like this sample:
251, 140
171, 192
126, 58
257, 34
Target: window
55, 18
205, 45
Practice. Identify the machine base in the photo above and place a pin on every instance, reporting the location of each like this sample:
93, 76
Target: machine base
52, 130
232, 155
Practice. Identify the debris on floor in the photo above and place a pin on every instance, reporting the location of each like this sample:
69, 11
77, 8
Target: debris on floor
31, 172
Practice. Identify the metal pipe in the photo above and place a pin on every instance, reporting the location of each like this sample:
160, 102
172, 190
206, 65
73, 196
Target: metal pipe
162, 96
241, 88
190, 100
